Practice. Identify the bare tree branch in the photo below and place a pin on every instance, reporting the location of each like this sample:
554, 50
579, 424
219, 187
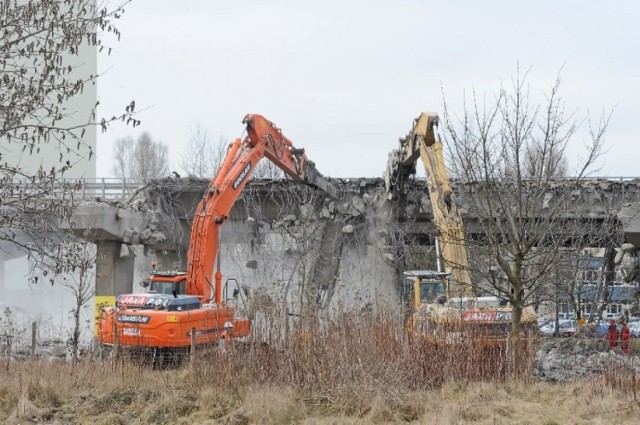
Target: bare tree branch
510, 152
43, 49
143, 159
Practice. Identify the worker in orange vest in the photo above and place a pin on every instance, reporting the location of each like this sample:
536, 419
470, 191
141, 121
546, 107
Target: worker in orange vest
625, 335
612, 334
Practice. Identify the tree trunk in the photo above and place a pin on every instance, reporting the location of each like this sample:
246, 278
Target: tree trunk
608, 275
75, 339
515, 338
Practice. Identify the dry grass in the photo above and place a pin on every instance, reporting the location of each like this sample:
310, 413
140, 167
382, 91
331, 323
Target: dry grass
357, 369
121, 395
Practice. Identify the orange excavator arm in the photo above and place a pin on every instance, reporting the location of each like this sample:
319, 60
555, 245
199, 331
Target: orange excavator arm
263, 139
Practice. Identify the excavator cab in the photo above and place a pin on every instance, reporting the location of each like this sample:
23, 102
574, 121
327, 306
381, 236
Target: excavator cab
424, 287
168, 288
166, 283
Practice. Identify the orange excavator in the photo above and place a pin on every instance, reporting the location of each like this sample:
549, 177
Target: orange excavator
185, 308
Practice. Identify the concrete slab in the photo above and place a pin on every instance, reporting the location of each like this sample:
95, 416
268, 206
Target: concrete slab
629, 216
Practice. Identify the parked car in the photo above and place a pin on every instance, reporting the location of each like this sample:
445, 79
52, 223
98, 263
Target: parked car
567, 327
548, 328
603, 326
543, 322
634, 328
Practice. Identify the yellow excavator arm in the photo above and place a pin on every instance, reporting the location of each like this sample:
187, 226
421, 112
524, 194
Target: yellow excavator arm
423, 141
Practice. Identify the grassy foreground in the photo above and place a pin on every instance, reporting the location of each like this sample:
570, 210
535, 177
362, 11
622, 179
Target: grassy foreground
357, 368
125, 394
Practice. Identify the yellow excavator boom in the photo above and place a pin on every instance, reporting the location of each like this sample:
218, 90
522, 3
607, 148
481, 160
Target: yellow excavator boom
423, 141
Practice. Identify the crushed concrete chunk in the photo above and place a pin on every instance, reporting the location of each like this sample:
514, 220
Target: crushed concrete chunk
306, 211
127, 236
358, 204
348, 229
627, 259
547, 198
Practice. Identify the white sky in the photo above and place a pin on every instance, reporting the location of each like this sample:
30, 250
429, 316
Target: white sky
344, 79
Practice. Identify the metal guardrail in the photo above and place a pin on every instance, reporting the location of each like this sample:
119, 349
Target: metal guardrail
114, 189
106, 189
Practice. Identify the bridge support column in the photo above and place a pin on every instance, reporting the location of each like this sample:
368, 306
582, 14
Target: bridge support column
2, 276
114, 273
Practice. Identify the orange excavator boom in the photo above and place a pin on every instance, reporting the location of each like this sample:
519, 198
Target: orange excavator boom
263, 139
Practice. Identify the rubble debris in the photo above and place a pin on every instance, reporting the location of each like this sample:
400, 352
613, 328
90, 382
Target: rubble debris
348, 229
306, 211
150, 237
124, 250
358, 204
128, 236
286, 221
579, 357
547, 199
627, 260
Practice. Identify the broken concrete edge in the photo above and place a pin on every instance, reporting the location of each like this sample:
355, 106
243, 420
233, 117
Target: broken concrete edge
141, 219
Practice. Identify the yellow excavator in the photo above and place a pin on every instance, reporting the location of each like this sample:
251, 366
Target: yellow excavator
443, 300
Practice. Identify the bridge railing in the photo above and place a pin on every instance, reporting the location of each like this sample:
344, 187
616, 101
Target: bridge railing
115, 189
106, 188
109, 188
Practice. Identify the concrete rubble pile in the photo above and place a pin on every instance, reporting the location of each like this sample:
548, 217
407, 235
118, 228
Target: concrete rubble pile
580, 357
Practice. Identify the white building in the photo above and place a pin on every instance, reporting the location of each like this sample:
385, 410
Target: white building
49, 304
79, 110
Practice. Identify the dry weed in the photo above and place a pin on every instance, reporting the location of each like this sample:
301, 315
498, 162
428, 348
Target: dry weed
357, 368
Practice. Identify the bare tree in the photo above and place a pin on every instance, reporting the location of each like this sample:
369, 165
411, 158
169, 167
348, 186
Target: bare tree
143, 159
123, 156
203, 157
555, 165
150, 159
508, 151
75, 268
41, 74
588, 276
268, 170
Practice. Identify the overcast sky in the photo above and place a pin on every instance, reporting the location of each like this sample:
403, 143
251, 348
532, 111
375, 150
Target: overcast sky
344, 79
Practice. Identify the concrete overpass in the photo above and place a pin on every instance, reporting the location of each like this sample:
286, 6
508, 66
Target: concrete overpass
289, 233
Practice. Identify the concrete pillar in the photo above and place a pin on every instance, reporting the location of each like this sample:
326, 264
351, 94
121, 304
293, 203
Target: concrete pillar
2, 276
114, 270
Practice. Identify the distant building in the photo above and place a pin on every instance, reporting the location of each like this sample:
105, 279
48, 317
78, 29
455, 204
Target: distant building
619, 297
